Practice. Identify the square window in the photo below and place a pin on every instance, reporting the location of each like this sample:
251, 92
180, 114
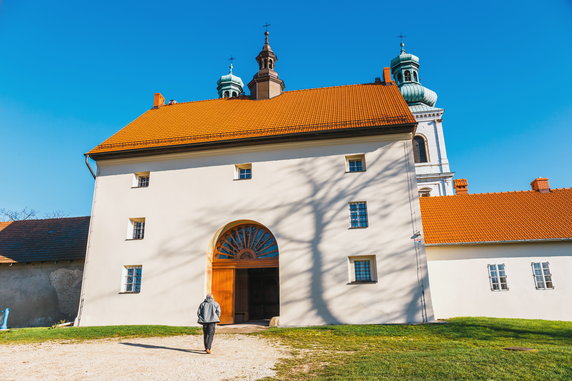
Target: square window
358, 214
243, 171
362, 269
141, 180
131, 279
136, 228
542, 275
355, 163
497, 277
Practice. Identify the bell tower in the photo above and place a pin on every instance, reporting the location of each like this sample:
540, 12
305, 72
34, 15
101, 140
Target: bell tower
266, 83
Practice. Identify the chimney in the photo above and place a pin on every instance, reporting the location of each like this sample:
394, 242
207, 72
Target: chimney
461, 186
158, 100
540, 184
387, 76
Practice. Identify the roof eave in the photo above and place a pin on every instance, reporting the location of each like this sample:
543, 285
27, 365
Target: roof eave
303, 136
540, 240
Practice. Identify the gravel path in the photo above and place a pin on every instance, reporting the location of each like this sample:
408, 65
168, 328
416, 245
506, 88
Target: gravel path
166, 358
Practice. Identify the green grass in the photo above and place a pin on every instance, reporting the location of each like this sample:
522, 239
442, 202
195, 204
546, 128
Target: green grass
34, 335
462, 349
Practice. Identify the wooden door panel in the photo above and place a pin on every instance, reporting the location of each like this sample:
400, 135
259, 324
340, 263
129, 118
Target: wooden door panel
223, 293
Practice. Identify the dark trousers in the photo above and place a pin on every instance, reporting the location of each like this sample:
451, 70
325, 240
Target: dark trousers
208, 332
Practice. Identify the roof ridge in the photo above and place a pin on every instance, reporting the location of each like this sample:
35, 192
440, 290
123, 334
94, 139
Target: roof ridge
505, 192
47, 219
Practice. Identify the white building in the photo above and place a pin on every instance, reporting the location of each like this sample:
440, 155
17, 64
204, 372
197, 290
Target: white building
299, 204
434, 178
503, 255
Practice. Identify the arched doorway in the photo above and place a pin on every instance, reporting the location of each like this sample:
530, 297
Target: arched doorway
245, 273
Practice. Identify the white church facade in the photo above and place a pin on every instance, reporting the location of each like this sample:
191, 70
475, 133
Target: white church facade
299, 204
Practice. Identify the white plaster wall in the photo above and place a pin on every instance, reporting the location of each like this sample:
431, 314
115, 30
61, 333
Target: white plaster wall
460, 283
300, 191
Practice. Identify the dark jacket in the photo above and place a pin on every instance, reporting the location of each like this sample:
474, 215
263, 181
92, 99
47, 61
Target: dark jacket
209, 311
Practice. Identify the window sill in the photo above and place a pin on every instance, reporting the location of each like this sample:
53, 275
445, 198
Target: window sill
242, 179
129, 292
139, 187
363, 282
355, 171
358, 227
134, 239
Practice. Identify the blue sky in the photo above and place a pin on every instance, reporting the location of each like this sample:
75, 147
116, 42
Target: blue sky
73, 73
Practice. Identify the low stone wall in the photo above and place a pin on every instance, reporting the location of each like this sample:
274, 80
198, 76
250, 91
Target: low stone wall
40, 294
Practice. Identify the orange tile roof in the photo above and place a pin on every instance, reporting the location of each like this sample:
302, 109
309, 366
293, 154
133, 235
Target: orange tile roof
490, 217
312, 110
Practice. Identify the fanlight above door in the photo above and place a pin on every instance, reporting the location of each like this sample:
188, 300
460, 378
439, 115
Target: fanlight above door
246, 242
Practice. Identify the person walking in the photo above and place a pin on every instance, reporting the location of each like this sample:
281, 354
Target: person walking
209, 315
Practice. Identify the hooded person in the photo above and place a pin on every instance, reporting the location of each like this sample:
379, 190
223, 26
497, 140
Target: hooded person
208, 314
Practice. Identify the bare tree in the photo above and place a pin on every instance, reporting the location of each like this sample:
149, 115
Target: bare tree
56, 214
17, 215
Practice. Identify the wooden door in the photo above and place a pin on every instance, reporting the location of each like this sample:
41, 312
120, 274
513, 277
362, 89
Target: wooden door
223, 293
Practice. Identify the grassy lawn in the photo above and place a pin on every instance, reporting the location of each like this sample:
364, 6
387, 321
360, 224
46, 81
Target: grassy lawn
462, 349
34, 335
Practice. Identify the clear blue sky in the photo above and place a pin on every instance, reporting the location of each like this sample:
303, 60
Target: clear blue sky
74, 72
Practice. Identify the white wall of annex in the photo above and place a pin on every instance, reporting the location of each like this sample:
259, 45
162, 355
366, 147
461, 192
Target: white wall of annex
460, 283
300, 191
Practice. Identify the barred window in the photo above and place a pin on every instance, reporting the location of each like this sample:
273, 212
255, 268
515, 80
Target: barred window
355, 163
243, 171
542, 275
497, 277
358, 214
132, 279
362, 269
136, 228
140, 180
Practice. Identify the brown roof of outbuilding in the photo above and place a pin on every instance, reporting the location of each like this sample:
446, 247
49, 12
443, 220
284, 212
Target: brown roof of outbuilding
239, 118
55, 239
494, 217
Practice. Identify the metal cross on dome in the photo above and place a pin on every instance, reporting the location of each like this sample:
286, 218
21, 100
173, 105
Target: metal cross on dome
266, 27
231, 59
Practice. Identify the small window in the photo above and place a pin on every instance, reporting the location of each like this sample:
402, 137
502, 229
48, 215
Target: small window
141, 180
131, 279
542, 276
226, 94
136, 229
399, 78
234, 94
243, 172
415, 76
425, 192
419, 149
497, 277
362, 269
270, 64
407, 75
358, 214
355, 163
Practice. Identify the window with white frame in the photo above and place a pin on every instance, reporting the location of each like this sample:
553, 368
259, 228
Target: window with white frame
141, 180
362, 269
355, 163
136, 228
243, 171
425, 192
497, 277
542, 275
358, 214
131, 279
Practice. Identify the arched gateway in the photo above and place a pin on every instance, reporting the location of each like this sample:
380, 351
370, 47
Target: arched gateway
245, 272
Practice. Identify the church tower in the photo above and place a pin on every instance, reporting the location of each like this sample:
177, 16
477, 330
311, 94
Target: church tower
434, 178
229, 85
266, 84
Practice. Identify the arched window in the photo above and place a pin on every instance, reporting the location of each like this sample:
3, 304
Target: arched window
407, 75
246, 241
270, 64
419, 149
226, 94
234, 94
399, 78
415, 76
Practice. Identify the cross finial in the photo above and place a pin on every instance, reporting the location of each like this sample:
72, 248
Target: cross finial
402, 44
231, 59
266, 33
266, 27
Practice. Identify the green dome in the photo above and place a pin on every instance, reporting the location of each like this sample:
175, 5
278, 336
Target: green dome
229, 85
230, 78
416, 93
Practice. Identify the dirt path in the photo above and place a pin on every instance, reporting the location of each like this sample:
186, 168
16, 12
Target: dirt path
166, 358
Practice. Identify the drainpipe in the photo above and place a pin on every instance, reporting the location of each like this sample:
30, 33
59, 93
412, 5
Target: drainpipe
5, 320
89, 166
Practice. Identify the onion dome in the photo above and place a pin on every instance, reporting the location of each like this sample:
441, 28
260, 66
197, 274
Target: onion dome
405, 70
229, 85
